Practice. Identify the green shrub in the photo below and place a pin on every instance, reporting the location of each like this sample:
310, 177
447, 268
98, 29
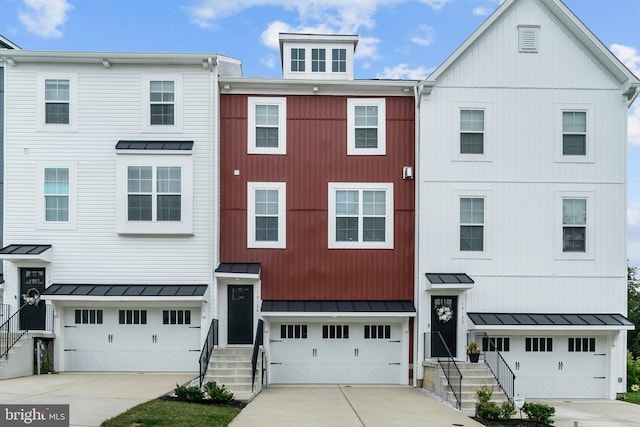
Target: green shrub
507, 409
539, 412
218, 393
189, 393
633, 370
489, 411
483, 395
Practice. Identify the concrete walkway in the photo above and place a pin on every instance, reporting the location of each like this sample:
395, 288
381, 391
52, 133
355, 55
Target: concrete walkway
593, 413
347, 406
92, 397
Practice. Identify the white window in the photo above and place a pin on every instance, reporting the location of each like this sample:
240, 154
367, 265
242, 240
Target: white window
538, 344
574, 225
575, 132
162, 103
318, 60
361, 216
471, 224
339, 60
266, 215
366, 126
267, 121
471, 131
57, 106
297, 60
155, 194
528, 38
56, 194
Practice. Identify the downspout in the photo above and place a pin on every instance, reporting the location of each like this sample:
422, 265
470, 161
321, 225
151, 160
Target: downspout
213, 184
417, 360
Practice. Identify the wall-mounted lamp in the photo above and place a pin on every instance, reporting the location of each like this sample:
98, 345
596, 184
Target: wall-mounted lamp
315, 89
226, 87
406, 89
407, 172
106, 63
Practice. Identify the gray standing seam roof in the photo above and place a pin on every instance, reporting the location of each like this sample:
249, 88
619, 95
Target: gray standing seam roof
239, 268
448, 278
338, 306
549, 319
28, 249
126, 290
154, 145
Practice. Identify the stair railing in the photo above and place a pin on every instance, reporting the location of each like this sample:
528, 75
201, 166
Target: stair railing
499, 368
257, 342
10, 332
449, 366
207, 348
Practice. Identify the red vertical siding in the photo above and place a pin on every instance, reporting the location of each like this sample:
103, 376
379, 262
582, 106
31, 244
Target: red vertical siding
316, 155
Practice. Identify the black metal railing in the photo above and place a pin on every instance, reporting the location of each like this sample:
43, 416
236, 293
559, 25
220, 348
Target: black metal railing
11, 331
500, 368
447, 363
5, 313
257, 342
207, 348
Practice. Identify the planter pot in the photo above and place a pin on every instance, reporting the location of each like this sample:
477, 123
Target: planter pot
474, 357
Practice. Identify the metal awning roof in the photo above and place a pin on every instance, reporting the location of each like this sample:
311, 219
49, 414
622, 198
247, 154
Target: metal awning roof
20, 252
359, 308
607, 321
449, 281
106, 292
239, 269
154, 145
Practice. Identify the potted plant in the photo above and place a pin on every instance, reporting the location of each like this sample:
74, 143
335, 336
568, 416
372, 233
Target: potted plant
473, 351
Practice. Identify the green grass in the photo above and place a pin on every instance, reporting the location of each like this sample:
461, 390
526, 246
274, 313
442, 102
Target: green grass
161, 413
633, 397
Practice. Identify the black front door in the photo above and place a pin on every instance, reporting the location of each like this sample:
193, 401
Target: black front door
240, 306
444, 321
32, 317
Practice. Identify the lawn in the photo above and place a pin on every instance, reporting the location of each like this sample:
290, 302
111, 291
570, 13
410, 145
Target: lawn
166, 413
633, 397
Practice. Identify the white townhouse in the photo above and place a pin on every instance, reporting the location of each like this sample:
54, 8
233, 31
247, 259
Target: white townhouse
111, 169
522, 202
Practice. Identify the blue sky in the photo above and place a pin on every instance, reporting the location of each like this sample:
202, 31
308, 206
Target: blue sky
398, 38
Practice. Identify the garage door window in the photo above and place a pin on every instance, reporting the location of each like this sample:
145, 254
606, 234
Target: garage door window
293, 331
495, 343
176, 317
132, 317
377, 331
88, 317
536, 344
335, 331
582, 345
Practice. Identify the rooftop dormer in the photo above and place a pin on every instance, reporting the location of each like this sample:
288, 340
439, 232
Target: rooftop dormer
317, 56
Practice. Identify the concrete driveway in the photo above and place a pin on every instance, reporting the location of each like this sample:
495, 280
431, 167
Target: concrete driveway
92, 397
347, 406
593, 413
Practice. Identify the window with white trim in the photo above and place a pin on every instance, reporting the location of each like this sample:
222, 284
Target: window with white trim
471, 131
574, 225
57, 105
339, 60
318, 60
56, 194
293, 331
574, 133
472, 224
538, 344
297, 59
162, 95
155, 194
366, 126
335, 332
267, 125
88, 316
581, 345
56, 97
361, 215
496, 343
162, 103
266, 215
176, 317
132, 317
379, 332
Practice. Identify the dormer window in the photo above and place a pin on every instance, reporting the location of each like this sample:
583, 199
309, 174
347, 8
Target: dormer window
339, 60
318, 60
297, 60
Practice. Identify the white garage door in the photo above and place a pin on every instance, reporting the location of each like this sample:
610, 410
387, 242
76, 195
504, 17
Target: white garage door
559, 366
126, 339
353, 353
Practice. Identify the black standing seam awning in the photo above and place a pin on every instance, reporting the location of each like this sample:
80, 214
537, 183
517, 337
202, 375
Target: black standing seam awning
338, 306
551, 320
60, 291
27, 249
155, 145
238, 268
448, 278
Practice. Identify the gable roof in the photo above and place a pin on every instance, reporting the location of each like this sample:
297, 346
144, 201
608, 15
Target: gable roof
628, 82
5, 43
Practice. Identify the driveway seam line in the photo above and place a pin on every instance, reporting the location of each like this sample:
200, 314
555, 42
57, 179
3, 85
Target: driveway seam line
352, 408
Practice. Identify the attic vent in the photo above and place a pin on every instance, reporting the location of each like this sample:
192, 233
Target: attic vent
528, 38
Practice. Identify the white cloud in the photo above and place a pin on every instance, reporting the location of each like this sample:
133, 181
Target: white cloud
481, 11
402, 71
424, 35
269, 61
368, 48
44, 17
634, 125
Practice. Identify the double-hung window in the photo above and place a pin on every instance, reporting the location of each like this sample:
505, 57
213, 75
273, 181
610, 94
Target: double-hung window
471, 131
366, 126
266, 131
318, 60
297, 59
361, 215
56, 194
154, 193
574, 133
471, 224
339, 60
266, 216
574, 225
162, 96
57, 101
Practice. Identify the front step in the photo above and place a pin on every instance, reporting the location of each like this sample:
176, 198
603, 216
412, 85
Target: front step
474, 376
231, 367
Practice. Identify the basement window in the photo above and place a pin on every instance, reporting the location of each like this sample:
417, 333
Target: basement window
528, 38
